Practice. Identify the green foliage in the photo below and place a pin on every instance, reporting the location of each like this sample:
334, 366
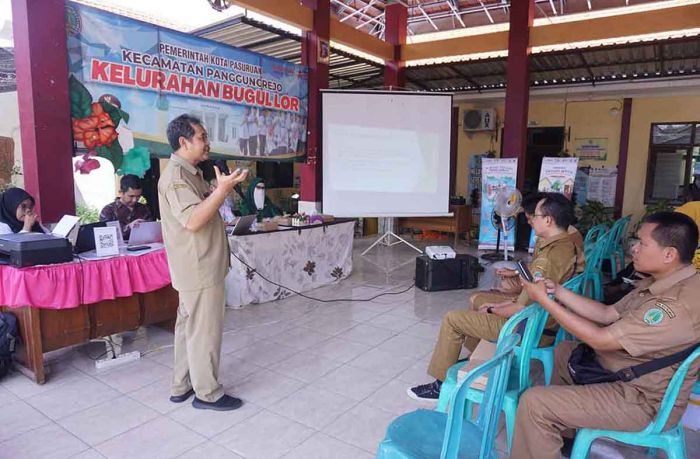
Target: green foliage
114, 153
659, 206
115, 113
88, 214
80, 99
593, 213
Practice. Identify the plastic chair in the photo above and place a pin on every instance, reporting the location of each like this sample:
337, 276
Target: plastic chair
592, 237
593, 272
615, 251
431, 434
546, 354
653, 436
519, 380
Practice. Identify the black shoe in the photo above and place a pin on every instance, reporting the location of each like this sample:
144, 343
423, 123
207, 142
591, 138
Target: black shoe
567, 447
225, 403
429, 391
183, 397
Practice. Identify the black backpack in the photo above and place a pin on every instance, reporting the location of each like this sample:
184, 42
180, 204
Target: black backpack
8, 339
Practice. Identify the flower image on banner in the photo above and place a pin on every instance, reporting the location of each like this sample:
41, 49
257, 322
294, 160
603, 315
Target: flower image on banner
496, 174
130, 79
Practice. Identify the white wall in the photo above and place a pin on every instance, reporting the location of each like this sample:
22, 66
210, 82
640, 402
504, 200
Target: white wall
9, 127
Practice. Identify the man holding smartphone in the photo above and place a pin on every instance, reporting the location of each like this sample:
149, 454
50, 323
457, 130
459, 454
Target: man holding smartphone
198, 258
555, 256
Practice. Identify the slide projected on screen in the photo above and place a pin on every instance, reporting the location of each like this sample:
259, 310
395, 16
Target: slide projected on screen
386, 153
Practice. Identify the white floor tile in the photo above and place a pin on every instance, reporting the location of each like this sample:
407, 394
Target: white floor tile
367, 334
410, 346
88, 454
209, 450
58, 374
48, 442
264, 353
128, 378
339, 349
264, 387
209, 423
392, 397
300, 338
102, 422
264, 436
7, 397
321, 446
313, 407
235, 341
306, 367
161, 438
165, 356
383, 362
363, 426
233, 369
19, 417
351, 382
331, 324
73, 398
156, 396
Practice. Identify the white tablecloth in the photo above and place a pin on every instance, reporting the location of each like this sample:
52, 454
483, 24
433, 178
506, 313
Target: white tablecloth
299, 259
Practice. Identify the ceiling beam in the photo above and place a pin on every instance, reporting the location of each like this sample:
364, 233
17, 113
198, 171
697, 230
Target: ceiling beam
638, 23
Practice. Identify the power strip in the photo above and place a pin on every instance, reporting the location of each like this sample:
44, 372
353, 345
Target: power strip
121, 359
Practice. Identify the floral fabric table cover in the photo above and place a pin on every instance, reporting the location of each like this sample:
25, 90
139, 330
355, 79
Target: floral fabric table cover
301, 259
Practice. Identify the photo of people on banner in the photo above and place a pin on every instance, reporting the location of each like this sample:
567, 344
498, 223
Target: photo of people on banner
128, 79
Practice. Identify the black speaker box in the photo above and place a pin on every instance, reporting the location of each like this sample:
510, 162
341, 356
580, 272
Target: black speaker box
450, 274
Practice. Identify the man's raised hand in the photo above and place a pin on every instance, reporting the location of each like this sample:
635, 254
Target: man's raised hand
227, 182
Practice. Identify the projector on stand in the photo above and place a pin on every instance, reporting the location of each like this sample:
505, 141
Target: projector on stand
440, 252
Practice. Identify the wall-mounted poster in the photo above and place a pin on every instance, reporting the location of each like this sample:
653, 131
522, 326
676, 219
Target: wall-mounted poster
595, 149
129, 79
496, 174
557, 175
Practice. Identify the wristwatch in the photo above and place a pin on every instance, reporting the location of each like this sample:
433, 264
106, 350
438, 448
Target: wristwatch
489, 310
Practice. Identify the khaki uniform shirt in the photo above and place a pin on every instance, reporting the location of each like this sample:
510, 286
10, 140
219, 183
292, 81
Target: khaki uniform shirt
657, 319
555, 258
198, 259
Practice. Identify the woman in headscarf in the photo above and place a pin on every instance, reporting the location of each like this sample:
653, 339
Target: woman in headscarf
17, 212
256, 202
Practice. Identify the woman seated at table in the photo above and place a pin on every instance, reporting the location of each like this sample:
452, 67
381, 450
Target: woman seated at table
17, 212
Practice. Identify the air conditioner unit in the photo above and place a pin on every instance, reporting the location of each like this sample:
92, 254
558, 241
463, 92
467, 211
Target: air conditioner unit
479, 120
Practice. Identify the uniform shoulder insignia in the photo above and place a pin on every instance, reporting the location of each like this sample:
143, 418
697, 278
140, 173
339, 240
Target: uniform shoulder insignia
665, 308
179, 186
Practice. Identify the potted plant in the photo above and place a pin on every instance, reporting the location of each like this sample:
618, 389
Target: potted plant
592, 213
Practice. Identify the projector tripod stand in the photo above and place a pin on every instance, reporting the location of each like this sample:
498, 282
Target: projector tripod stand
385, 239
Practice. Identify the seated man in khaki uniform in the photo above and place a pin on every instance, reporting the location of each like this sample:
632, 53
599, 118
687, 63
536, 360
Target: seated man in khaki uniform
198, 258
660, 317
555, 256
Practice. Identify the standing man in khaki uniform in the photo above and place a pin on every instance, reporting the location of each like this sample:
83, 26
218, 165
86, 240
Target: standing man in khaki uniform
198, 258
555, 256
659, 318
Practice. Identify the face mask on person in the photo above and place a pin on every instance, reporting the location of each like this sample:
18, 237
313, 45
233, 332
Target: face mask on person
259, 198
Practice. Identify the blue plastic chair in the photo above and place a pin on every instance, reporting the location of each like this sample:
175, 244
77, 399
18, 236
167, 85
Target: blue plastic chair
546, 354
593, 272
615, 251
431, 434
535, 318
592, 237
653, 436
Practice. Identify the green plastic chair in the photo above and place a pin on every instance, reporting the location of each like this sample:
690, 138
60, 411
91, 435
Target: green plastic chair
615, 251
653, 436
534, 317
424, 434
546, 354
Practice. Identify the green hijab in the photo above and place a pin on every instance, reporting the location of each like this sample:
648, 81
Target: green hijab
248, 207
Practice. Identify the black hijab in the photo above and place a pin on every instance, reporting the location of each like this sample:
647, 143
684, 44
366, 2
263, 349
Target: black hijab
9, 202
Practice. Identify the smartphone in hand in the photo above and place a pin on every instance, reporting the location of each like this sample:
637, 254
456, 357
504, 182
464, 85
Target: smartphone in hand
525, 272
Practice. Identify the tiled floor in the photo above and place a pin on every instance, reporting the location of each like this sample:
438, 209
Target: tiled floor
319, 380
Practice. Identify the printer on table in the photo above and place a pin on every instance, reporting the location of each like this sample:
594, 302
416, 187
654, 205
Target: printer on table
29, 249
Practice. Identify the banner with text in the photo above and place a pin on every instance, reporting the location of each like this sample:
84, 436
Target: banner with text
557, 175
129, 79
496, 174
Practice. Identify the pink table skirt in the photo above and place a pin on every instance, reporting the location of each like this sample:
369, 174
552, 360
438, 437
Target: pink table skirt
69, 285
